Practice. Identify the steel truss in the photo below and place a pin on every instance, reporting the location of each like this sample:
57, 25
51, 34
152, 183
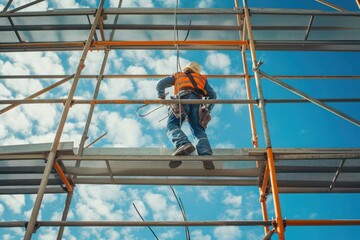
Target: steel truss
60, 175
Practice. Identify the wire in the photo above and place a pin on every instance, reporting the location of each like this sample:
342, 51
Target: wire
145, 221
182, 209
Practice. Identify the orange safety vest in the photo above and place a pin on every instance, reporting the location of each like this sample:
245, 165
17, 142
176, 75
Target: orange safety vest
183, 82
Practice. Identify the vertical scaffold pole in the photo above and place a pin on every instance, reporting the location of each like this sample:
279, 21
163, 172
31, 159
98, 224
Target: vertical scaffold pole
254, 138
88, 121
279, 227
55, 145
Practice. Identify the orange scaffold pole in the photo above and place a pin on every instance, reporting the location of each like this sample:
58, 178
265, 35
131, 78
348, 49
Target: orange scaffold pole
278, 224
63, 177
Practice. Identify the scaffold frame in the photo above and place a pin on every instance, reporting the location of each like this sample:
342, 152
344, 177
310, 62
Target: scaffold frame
261, 167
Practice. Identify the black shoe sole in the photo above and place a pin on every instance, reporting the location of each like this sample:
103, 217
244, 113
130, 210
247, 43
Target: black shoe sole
174, 164
208, 165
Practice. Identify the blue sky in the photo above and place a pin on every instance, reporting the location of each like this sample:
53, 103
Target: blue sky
291, 126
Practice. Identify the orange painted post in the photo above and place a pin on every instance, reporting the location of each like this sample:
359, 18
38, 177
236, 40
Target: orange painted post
271, 163
63, 177
263, 197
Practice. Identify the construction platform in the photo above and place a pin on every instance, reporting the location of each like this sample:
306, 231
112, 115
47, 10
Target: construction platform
298, 170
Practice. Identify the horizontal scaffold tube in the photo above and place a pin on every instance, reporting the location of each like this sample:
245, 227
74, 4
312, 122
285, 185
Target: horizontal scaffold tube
160, 101
138, 223
133, 76
341, 222
170, 43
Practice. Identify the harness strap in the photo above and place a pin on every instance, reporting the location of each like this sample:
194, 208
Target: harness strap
197, 90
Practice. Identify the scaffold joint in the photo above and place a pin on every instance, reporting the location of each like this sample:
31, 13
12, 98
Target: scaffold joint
263, 198
258, 64
36, 226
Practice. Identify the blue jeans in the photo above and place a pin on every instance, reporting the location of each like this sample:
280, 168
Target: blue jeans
179, 138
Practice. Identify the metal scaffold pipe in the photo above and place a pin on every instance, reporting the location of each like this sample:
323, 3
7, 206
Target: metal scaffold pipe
55, 145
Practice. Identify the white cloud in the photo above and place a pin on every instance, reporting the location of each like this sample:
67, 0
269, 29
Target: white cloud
116, 88
37, 62
79, 112
144, 56
1, 209
206, 3
146, 89
218, 61
233, 214
169, 234
161, 210
166, 65
92, 63
227, 233
156, 202
22, 124
4, 92
124, 132
198, 235
111, 234
7, 237
98, 202
225, 145
138, 3
43, 115
37, 7
66, 4
232, 200
205, 194
235, 89
49, 198
48, 233
140, 207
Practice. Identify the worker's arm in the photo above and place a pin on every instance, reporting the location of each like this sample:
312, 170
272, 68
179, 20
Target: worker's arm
164, 83
211, 94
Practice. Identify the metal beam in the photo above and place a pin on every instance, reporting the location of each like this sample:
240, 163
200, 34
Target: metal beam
170, 11
52, 86
313, 100
24, 6
138, 223
169, 181
7, 6
160, 101
333, 6
54, 147
88, 171
296, 45
141, 76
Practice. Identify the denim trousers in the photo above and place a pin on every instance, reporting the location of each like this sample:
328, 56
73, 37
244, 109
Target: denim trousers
178, 137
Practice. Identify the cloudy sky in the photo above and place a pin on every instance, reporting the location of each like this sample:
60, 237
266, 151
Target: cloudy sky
291, 125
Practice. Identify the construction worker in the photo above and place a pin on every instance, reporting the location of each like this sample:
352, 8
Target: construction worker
188, 84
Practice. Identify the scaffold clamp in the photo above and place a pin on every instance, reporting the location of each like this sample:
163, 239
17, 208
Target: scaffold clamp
36, 226
258, 64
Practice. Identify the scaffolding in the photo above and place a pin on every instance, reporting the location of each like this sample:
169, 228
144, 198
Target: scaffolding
57, 167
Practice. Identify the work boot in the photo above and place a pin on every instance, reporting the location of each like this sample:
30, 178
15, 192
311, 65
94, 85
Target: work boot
208, 165
185, 149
